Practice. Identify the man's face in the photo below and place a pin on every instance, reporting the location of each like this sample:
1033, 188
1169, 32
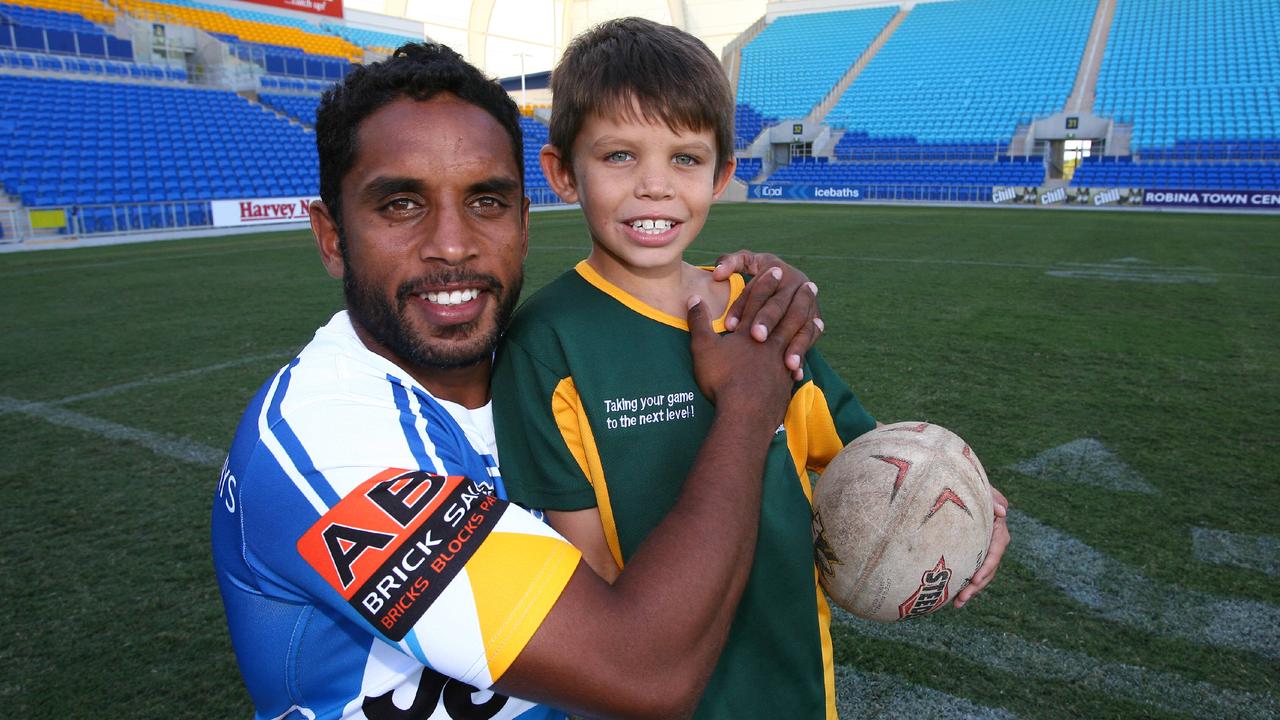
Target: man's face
435, 233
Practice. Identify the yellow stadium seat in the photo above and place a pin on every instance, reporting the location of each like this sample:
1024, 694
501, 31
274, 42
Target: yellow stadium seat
247, 30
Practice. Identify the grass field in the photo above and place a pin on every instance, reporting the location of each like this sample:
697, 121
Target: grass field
1118, 374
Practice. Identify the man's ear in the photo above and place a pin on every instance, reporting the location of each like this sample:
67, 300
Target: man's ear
325, 231
559, 173
726, 174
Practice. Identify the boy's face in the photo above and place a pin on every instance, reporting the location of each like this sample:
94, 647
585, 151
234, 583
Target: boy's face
644, 188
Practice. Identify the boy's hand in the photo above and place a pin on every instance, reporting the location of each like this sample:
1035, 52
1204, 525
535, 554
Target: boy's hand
999, 541
740, 374
774, 285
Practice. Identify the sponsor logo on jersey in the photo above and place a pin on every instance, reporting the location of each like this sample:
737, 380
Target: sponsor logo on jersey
392, 545
931, 595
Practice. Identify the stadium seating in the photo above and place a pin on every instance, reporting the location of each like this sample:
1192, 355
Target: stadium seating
861, 146
298, 107
157, 153
535, 183
1201, 71
283, 61
249, 26
91, 10
748, 168
969, 71
39, 30
370, 39
796, 60
748, 124
1176, 175
89, 66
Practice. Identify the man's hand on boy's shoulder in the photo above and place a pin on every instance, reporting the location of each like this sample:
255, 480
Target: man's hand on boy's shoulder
772, 289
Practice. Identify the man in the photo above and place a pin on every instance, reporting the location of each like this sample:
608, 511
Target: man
368, 565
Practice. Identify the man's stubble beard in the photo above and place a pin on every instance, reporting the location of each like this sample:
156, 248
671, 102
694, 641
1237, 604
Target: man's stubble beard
390, 328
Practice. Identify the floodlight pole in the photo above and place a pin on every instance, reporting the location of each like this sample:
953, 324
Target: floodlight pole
523, 103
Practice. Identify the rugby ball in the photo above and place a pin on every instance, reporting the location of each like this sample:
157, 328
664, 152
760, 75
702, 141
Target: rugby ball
902, 518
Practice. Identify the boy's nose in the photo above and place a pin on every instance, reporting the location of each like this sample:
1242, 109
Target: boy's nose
654, 185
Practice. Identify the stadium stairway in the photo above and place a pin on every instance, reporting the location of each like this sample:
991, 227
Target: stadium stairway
819, 111
1084, 92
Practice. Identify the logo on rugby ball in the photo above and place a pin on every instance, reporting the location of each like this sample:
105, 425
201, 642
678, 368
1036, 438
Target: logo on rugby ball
931, 595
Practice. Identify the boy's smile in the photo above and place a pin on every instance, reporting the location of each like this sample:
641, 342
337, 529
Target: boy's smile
645, 189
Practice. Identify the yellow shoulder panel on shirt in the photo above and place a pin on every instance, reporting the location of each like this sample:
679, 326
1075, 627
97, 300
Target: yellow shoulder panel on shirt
821, 441
515, 579
571, 419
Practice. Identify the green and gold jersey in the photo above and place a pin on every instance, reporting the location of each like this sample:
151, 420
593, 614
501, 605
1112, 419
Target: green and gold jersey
595, 404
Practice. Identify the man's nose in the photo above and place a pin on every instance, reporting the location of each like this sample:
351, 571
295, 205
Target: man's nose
448, 236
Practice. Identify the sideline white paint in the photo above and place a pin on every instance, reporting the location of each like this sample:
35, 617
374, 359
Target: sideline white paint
1118, 593
1012, 654
167, 378
1133, 270
173, 447
1084, 461
874, 695
1131, 276
1253, 552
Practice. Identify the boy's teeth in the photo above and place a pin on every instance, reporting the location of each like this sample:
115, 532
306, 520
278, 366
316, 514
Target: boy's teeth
455, 297
652, 226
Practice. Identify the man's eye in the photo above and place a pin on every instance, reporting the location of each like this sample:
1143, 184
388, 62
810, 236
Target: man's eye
400, 205
683, 159
619, 156
488, 202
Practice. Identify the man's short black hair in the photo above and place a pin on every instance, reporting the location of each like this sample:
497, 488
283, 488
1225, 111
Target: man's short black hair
416, 70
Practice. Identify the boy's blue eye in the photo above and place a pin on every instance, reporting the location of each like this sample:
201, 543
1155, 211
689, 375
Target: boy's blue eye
619, 156
683, 159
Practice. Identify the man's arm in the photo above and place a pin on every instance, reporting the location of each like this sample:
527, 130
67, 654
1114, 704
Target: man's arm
646, 645
585, 530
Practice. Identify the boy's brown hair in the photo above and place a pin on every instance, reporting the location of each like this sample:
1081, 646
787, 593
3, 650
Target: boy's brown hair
627, 65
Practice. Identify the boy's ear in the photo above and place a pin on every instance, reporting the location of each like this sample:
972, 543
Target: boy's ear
559, 173
326, 233
726, 174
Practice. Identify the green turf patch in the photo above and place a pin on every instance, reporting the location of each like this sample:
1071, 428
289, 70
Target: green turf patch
1155, 337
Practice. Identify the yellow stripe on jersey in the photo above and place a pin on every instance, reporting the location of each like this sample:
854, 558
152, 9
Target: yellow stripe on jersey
504, 562
811, 433
823, 442
571, 419
828, 650
639, 306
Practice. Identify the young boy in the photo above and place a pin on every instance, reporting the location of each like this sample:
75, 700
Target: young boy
597, 411
596, 407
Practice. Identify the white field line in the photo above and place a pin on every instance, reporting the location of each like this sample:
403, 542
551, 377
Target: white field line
1220, 547
1134, 276
162, 379
1118, 593
1084, 461
173, 447
1012, 654
875, 696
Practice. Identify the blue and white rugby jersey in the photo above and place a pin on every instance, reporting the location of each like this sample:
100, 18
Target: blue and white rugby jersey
369, 564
